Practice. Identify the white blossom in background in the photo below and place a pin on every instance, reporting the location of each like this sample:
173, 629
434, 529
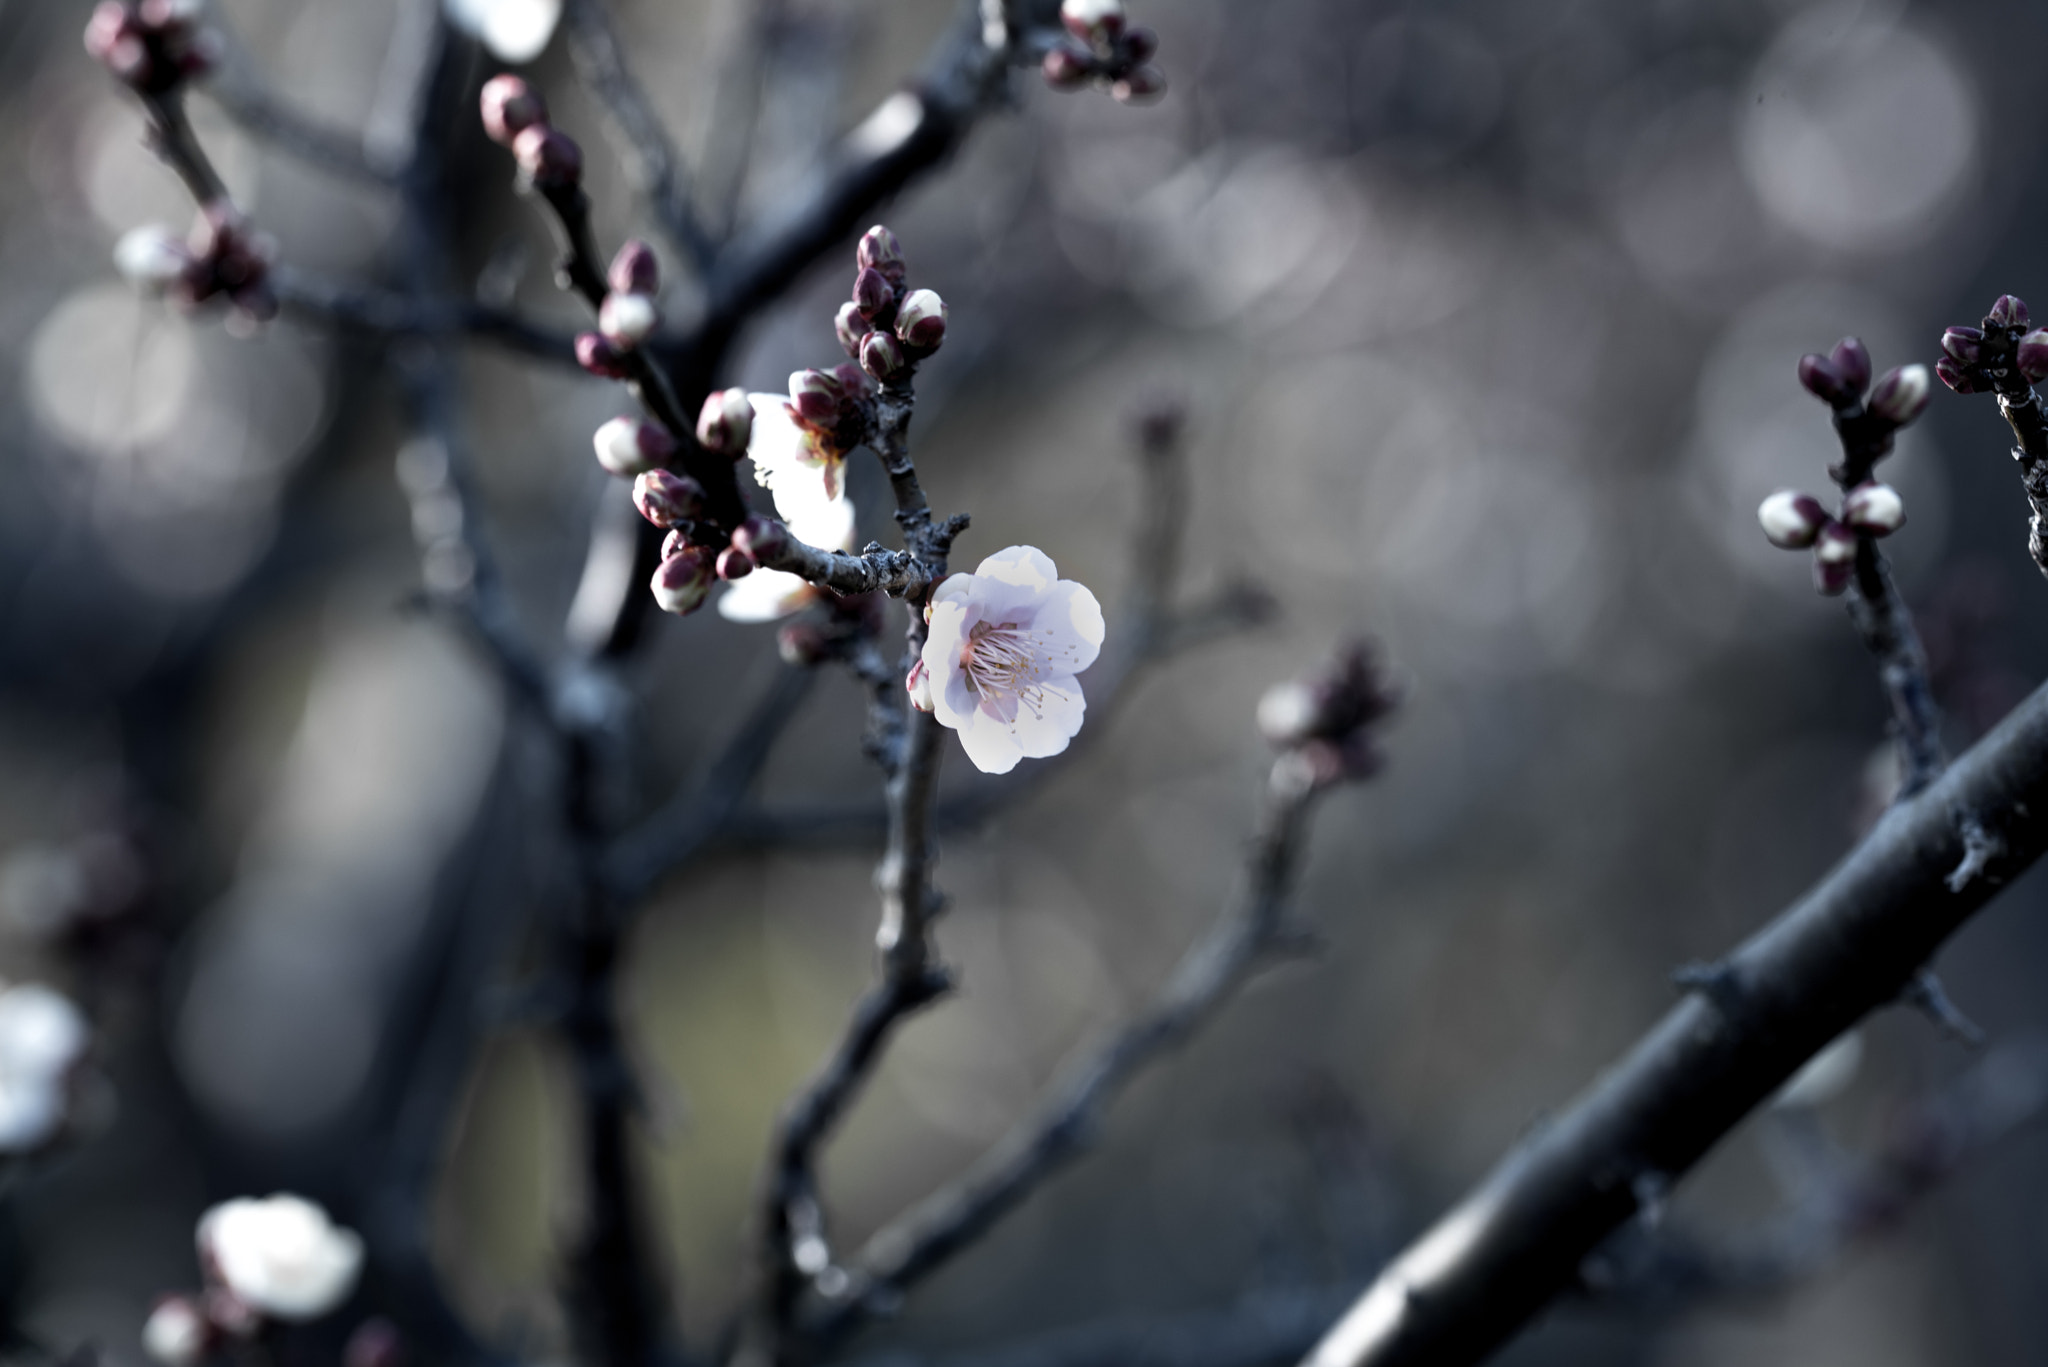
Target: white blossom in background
1006, 642
766, 595
281, 1256
42, 1038
513, 30
176, 1332
786, 463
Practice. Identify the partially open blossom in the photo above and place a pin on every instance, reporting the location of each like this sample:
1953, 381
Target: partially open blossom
626, 320
43, 1036
1874, 508
797, 463
921, 322
1004, 646
510, 106
632, 446
281, 1255
1791, 519
511, 30
765, 595
177, 1332
1901, 394
683, 579
726, 422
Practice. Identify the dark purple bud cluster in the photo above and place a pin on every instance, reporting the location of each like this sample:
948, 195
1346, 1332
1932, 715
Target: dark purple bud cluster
515, 116
1323, 723
222, 258
690, 561
153, 46
2005, 354
886, 327
1867, 422
1797, 521
1103, 48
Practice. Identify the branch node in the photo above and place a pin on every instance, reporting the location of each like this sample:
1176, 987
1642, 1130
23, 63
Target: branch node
1980, 847
1926, 995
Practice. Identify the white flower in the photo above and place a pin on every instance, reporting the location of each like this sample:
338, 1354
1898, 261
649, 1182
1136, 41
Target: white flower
151, 257
42, 1038
1006, 642
789, 462
282, 1255
513, 30
176, 1333
766, 595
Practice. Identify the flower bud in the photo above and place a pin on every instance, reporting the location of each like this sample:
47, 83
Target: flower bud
510, 106
632, 446
598, 356
879, 250
882, 355
626, 320
726, 422
851, 327
761, 538
1143, 85
1901, 394
2010, 311
921, 322
1954, 376
152, 257
2032, 355
683, 581
1836, 545
1966, 344
1289, 714
1831, 579
635, 269
675, 543
1874, 508
665, 498
919, 685
110, 22
1791, 519
1851, 360
176, 1333
873, 295
802, 645
1824, 382
734, 563
816, 396
1139, 45
1066, 67
852, 379
1093, 21
548, 157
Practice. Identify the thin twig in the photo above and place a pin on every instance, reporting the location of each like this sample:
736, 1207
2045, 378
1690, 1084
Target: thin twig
259, 111
386, 313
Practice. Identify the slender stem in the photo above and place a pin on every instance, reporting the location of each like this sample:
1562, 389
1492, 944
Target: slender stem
172, 138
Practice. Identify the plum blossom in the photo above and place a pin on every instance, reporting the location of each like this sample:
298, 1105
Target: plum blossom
795, 455
513, 30
281, 1256
999, 663
765, 595
42, 1038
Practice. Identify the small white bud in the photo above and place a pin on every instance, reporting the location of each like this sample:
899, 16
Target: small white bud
628, 446
921, 320
1288, 714
1875, 508
626, 320
151, 257
1791, 519
176, 1332
919, 685
1836, 545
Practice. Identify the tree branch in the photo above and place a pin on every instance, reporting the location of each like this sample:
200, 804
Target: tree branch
1850, 945
366, 308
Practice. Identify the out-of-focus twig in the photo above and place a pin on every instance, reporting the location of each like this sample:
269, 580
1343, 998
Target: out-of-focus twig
386, 313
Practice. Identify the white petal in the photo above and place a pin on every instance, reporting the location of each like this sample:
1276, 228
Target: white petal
763, 596
31, 1110
1058, 718
282, 1255
1024, 566
1070, 621
513, 30
991, 745
776, 447
828, 526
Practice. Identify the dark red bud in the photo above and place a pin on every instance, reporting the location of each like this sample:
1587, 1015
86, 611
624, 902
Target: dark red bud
1966, 344
734, 563
1851, 361
635, 270
1824, 382
2010, 311
873, 295
1954, 376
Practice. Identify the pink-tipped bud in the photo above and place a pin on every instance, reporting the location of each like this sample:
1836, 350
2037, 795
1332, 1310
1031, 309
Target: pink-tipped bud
632, 446
816, 396
666, 498
919, 685
1093, 21
548, 157
2032, 356
110, 22
683, 581
802, 645
921, 322
2010, 311
1824, 382
510, 106
726, 422
1139, 45
1144, 85
177, 1333
1966, 344
1851, 360
152, 258
762, 538
1791, 519
882, 356
851, 327
1954, 376
1066, 67
1901, 393
1874, 508
627, 320
873, 295
635, 269
1830, 578
599, 356
1836, 545
734, 563
879, 250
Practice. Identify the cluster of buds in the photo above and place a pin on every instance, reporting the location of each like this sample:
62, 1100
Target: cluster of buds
515, 116
222, 257
1796, 521
153, 46
690, 561
277, 1259
628, 315
1840, 379
2003, 354
1322, 724
886, 327
1103, 48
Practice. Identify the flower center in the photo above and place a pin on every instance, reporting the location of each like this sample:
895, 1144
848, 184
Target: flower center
1005, 659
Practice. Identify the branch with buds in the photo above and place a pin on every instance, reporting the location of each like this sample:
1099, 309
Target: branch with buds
2007, 357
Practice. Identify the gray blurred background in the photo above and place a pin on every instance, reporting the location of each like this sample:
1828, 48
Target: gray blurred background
1486, 314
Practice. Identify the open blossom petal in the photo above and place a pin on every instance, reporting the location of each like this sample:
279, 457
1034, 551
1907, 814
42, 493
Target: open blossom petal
785, 462
281, 1256
1001, 653
766, 595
